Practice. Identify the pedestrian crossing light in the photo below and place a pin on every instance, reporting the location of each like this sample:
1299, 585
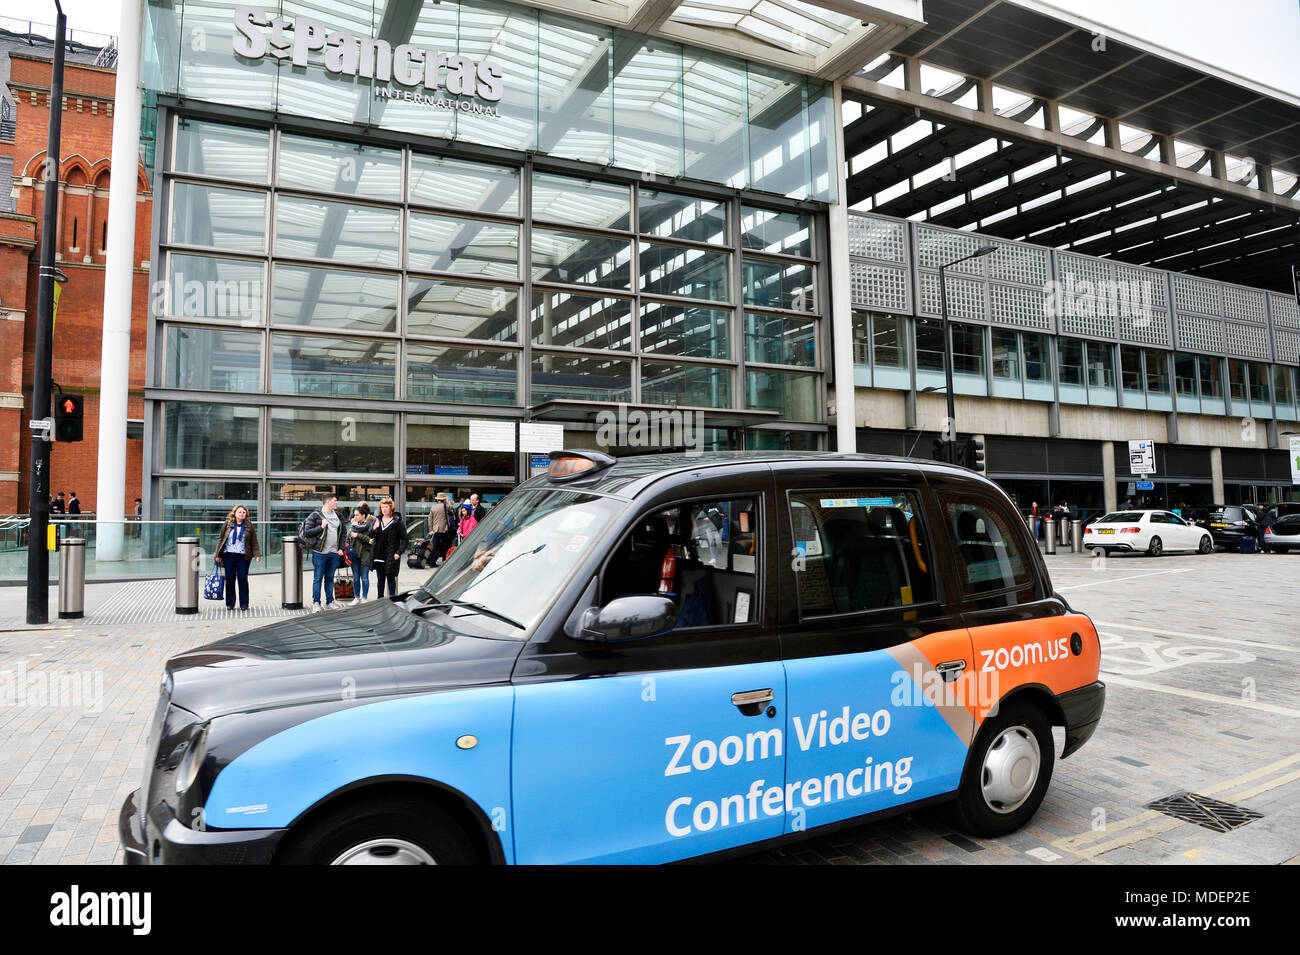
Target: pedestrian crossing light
68, 417
975, 455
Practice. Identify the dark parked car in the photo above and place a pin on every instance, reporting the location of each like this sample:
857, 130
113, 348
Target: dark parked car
1229, 523
1284, 533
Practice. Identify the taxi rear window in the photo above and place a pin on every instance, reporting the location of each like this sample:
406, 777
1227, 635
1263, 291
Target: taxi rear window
859, 549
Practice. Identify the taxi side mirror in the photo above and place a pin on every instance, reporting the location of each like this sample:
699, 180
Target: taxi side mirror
628, 618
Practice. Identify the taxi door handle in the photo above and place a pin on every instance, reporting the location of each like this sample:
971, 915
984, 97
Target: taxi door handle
951, 670
752, 697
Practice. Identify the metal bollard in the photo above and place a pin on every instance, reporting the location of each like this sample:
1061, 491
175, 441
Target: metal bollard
1076, 536
72, 578
1049, 534
187, 575
1063, 528
291, 573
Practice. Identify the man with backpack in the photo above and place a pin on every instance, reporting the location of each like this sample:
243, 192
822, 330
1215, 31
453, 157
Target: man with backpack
321, 533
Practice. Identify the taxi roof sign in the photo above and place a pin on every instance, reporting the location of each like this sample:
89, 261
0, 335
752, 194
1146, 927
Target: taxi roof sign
571, 464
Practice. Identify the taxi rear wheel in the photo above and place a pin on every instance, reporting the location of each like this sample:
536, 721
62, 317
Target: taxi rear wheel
391, 831
1008, 772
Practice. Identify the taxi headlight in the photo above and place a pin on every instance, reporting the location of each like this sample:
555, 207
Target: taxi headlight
192, 761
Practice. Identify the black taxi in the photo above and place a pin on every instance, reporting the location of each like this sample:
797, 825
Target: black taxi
641, 660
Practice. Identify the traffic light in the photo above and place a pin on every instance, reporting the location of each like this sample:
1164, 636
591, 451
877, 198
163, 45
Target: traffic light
939, 450
974, 455
959, 454
68, 417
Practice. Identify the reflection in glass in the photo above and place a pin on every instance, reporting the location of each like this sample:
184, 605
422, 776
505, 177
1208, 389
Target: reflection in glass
1157, 372
793, 394
688, 272
232, 219
438, 444
213, 359
779, 340
582, 202
697, 386
967, 349
209, 437
778, 133
462, 375
204, 286
715, 111
647, 109
462, 310
319, 165
1211, 375
1101, 366
1283, 388
1237, 379
335, 298
584, 377
1071, 361
332, 440
576, 115
775, 284
1130, 362
221, 151
888, 341
1259, 383
929, 344
581, 321
667, 215
1037, 367
685, 330
784, 233
1006, 355
467, 186
446, 244
340, 367
358, 235
206, 501
575, 258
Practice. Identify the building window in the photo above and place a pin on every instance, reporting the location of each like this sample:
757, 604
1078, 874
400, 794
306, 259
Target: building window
1157, 368
929, 344
1210, 371
1070, 355
1237, 379
1131, 368
968, 349
888, 345
1006, 354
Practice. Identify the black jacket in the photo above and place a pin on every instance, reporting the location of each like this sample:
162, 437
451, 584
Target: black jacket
390, 542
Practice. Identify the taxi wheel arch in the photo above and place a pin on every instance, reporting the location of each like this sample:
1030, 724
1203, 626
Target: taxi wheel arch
1022, 720
465, 825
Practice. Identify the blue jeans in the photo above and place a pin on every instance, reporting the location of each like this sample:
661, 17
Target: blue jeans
236, 567
323, 567
361, 579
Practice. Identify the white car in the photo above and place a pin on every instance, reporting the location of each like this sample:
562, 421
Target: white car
1150, 532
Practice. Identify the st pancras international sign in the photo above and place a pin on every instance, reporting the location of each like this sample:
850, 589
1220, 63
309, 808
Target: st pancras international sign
258, 34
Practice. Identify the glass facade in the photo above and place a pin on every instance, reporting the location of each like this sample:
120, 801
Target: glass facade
324, 302
537, 81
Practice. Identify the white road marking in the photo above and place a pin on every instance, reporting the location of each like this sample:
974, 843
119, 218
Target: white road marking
1112, 680
1043, 854
1116, 580
1200, 636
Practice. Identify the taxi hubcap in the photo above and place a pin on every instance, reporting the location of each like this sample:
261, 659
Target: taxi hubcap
385, 852
1010, 769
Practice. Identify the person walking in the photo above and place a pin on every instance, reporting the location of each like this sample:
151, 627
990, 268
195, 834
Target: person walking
323, 533
390, 542
467, 520
58, 506
74, 505
441, 524
360, 549
237, 548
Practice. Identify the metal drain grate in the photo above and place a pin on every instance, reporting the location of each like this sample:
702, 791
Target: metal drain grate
1204, 811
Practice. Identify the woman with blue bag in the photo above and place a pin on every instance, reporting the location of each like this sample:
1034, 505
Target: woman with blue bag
236, 549
360, 549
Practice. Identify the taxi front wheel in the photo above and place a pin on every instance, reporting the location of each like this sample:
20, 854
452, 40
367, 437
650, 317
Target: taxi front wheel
401, 831
1008, 772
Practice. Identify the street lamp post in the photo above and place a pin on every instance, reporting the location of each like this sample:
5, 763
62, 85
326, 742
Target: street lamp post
950, 428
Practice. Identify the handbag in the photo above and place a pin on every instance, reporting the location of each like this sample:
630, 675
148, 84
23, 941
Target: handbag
214, 587
343, 589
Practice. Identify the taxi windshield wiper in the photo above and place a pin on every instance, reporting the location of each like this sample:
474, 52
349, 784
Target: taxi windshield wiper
439, 602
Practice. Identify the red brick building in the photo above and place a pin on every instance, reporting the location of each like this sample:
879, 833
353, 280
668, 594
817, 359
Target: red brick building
83, 181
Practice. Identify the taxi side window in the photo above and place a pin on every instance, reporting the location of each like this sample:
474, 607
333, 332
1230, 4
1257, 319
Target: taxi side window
991, 554
703, 554
859, 549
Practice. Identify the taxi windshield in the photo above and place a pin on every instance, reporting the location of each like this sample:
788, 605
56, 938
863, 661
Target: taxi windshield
514, 563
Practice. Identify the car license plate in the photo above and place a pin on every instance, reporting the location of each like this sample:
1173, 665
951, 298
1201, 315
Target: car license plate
1106, 530
1218, 525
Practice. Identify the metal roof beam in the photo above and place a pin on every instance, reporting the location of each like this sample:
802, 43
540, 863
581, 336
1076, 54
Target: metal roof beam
982, 171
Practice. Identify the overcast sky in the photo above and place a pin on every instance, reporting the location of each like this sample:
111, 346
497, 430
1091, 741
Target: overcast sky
1257, 40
